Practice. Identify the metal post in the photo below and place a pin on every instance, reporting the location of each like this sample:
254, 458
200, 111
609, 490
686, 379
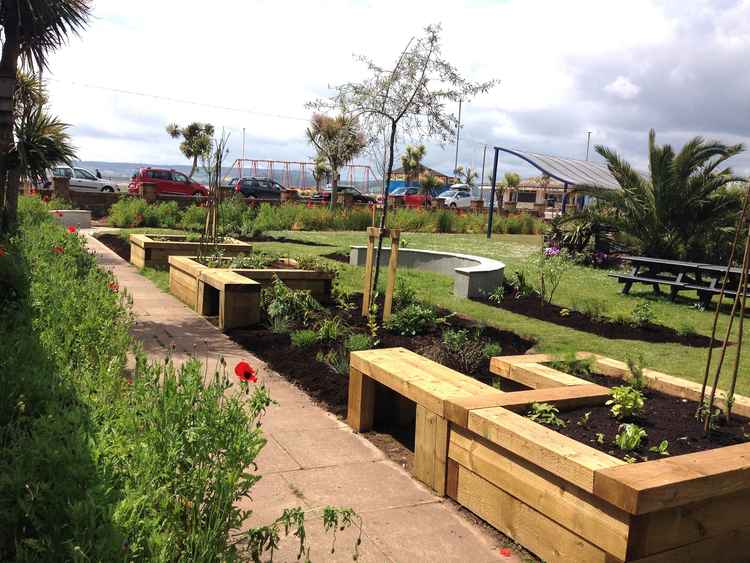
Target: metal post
492, 194
565, 197
588, 142
481, 182
458, 135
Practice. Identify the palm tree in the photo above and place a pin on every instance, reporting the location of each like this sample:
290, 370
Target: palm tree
197, 141
468, 175
42, 141
510, 180
31, 30
321, 170
339, 139
675, 210
429, 184
411, 161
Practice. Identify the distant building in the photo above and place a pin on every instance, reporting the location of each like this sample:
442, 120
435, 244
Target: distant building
397, 175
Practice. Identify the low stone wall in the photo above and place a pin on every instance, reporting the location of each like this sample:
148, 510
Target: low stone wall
474, 276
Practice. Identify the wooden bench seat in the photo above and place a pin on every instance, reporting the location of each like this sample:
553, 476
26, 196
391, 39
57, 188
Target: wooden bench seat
231, 296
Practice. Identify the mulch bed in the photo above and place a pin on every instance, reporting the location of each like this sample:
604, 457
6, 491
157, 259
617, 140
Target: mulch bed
530, 307
664, 417
331, 389
116, 243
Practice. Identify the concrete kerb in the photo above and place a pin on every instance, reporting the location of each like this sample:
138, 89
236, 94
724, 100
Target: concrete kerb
474, 276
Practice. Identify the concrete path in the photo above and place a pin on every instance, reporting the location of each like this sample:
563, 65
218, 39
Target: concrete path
312, 459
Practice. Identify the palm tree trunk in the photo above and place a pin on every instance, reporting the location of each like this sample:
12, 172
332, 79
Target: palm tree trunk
195, 166
8, 67
334, 188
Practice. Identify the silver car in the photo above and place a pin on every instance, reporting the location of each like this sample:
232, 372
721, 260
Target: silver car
84, 180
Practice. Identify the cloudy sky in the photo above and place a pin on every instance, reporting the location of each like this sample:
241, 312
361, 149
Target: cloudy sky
615, 68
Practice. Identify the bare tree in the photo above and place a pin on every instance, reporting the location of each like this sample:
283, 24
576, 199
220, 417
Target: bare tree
410, 96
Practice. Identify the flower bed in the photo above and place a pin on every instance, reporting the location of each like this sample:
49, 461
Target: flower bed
155, 250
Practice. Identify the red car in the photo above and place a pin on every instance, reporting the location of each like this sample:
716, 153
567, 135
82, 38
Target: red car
411, 197
167, 182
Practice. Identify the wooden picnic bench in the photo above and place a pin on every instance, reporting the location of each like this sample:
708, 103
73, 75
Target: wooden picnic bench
679, 275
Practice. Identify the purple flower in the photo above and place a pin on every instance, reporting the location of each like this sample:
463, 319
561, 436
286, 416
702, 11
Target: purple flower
551, 251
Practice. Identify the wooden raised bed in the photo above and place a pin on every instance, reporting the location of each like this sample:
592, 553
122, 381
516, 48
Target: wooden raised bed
563, 500
207, 290
147, 251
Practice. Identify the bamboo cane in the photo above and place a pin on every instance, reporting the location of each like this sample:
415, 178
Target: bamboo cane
707, 422
740, 224
740, 328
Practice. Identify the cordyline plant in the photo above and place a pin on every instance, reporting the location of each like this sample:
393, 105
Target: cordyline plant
409, 96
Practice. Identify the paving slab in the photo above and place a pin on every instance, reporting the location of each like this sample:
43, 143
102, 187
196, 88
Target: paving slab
312, 460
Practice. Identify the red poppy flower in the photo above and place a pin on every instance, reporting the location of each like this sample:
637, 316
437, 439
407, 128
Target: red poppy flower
45, 199
113, 287
58, 249
506, 551
59, 213
2, 251
245, 372
71, 229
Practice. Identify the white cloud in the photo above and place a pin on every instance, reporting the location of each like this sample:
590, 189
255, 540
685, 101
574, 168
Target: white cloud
623, 88
273, 56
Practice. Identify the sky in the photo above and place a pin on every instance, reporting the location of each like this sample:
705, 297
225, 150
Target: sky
614, 68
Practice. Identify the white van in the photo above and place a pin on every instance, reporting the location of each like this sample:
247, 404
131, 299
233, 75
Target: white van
82, 179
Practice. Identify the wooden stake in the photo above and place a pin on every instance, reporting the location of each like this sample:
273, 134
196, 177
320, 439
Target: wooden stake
392, 267
367, 285
373, 213
740, 328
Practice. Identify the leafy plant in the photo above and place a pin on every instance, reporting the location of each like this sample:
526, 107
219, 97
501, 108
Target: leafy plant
497, 295
626, 402
593, 307
629, 437
635, 367
292, 306
548, 268
661, 448
492, 349
521, 287
316, 264
413, 319
252, 261
569, 363
337, 360
546, 414
331, 330
599, 438
686, 328
643, 313
304, 339
404, 294
359, 341
584, 420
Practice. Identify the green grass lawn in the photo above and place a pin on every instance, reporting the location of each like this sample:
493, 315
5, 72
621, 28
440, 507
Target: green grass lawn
580, 284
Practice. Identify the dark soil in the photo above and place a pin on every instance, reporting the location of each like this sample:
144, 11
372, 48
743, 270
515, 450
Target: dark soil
331, 389
119, 245
664, 417
530, 307
338, 257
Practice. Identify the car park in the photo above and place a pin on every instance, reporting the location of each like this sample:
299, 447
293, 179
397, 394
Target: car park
167, 182
83, 179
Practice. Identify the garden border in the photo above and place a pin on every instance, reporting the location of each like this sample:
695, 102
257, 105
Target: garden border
148, 252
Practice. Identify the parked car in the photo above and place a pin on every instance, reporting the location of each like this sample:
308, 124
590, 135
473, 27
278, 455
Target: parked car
359, 197
167, 182
412, 196
456, 198
83, 179
261, 188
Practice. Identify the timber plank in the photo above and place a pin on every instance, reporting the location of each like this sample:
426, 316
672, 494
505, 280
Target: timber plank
573, 396
538, 376
589, 517
674, 527
537, 532
730, 547
500, 365
561, 455
361, 403
675, 481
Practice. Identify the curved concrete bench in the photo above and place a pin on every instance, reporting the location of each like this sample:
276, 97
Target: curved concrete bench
474, 276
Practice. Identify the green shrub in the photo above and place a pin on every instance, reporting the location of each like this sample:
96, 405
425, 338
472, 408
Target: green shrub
686, 328
404, 294
594, 307
253, 261
304, 339
547, 268
291, 306
359, 341
165, 214
643, 313
331, 330
233, 213
193, 218
630, 437
444, 222
465, 352
128, 212
546, 414
413, 319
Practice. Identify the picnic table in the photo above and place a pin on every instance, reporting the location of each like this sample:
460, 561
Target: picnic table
679, 275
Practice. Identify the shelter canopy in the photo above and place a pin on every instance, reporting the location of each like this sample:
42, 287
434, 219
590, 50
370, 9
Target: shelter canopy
569, 170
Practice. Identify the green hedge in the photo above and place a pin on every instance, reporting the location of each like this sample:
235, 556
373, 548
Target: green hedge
98, 463
240, 220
